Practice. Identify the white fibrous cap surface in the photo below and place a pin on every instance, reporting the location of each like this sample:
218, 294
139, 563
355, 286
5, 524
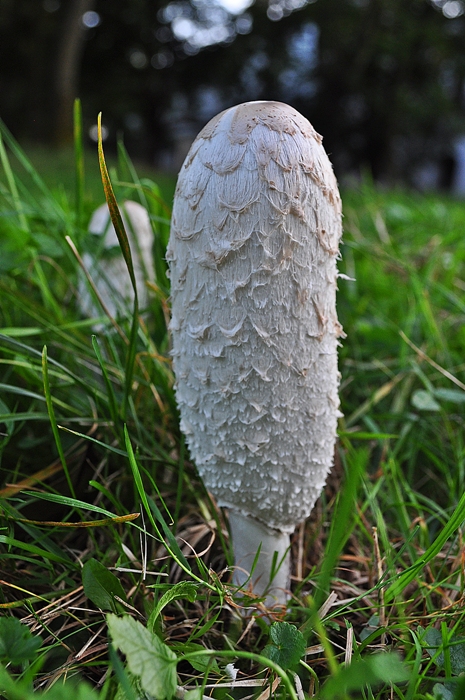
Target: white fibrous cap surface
252, 253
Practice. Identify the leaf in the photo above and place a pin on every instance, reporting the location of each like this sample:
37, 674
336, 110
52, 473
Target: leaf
456, 647
288, 645
441, 693
183, 589
373, 670
17, 644
194, 694
200, 662
452, 395
147, 657
424, 401
21, 689
459, 690
101, 586
371, 626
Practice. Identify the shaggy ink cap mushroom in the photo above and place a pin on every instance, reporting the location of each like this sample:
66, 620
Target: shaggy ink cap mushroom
252, 253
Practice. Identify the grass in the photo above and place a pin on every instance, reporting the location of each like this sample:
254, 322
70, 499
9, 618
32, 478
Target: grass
106, 532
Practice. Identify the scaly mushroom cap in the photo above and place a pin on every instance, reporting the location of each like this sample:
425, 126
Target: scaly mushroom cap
252, 252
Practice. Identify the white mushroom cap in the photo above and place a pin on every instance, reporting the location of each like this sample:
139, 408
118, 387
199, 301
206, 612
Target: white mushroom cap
253, 247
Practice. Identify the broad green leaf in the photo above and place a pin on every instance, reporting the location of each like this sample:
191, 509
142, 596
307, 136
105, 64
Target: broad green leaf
371, 626
21, 690
195, 694
288, 645
456, 647
371, 671
433, 640
442, 693
424, 401
459, 689
82, 691
183, 589
452, 395
147, 657
101, 586
17, 644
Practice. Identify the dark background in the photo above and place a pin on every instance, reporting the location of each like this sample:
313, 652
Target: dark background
382, 80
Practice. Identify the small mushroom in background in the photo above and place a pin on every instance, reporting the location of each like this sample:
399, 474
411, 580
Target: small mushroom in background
107, 267
252, 253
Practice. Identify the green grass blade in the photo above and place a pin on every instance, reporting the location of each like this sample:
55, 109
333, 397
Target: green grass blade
456, 520
151, 509
70, 502
112, 402
342, 521
32, 172
130, 359
117, 221
34, 549
53, 422
48, 297
12, 185
115, 213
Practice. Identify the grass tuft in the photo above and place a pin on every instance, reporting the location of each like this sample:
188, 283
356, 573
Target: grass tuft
109, 541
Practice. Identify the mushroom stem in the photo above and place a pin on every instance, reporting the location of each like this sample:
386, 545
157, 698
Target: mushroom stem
271, 573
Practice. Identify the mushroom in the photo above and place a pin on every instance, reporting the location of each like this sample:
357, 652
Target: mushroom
252, 254
107, 266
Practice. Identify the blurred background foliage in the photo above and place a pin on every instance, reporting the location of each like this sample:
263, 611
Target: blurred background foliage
382, 80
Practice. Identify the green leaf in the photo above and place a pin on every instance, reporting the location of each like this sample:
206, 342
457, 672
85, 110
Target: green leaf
195, 694
183, 589
16, 641
371, 626
288, 645
452, 395
147, 657
371, 671
21, 689
455, 647
424, 401
459, 691
101, 586
433, 639
441, 693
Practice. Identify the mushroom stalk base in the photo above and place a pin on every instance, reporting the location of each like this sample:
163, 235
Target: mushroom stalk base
271, 574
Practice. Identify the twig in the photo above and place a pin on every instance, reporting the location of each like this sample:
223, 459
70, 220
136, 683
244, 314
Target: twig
380, 573
349, 646
329, 602
434, 364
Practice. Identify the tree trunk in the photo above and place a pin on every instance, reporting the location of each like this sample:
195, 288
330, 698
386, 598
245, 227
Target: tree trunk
68, 61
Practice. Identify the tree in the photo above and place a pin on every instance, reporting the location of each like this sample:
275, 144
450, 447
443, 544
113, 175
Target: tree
382, 80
